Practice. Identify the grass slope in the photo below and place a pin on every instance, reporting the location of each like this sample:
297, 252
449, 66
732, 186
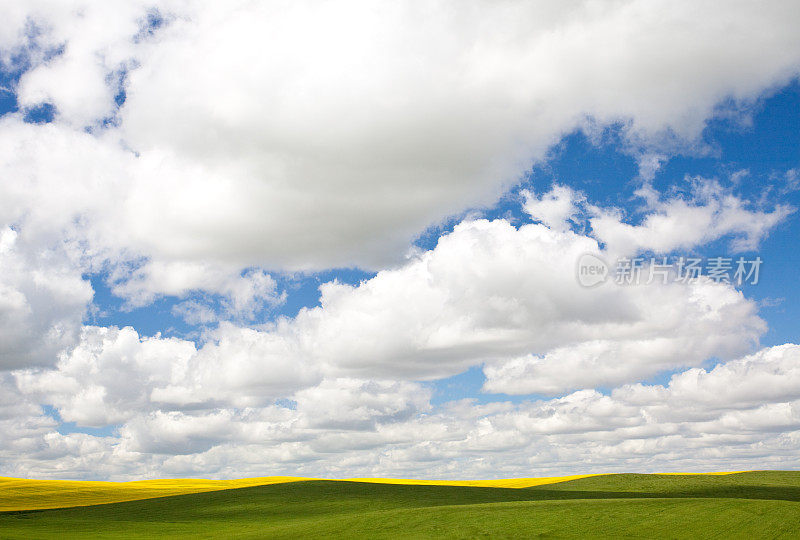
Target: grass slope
752, 505
21, 494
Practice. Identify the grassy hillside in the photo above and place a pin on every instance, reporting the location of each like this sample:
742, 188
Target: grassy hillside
753, 505
21, 494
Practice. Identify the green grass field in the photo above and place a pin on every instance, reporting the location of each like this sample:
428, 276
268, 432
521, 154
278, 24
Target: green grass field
745, 505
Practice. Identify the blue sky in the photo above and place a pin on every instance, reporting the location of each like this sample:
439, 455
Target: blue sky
229, 250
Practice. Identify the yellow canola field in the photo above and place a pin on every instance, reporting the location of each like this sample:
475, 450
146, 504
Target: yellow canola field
506, 483
22, 494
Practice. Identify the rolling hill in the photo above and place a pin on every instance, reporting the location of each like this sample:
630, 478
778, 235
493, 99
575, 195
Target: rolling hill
762, 504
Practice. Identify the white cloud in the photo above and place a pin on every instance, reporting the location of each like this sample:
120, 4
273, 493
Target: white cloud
337, 380
676, 336
743, 414
42, 303
792, 178
488, 293
195, 313
358, 404
108, 376
240, 366
349, 111
769, 376
709, 213
62, 184
243, 293
94, 41
303, 135
309, 135
555, 209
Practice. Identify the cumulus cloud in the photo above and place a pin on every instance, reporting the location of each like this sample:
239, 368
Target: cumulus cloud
42, 303
705, 213
240, 366
741, 414
488, 293
242, 294
359, 404
303, 135
708, 213
342, 378
556, 209
768, 376
76, 52
108, 376
491, 291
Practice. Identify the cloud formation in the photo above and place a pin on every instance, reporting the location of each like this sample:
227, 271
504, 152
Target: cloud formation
303, 135
488, 294
741, 414
42, 302
306, 136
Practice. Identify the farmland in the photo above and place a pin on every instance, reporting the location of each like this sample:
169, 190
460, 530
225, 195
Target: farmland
762, 504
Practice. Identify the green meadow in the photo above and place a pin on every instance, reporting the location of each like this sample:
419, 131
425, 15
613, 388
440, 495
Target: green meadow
745, 505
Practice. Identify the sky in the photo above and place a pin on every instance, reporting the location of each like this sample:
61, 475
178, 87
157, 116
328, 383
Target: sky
451, 240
